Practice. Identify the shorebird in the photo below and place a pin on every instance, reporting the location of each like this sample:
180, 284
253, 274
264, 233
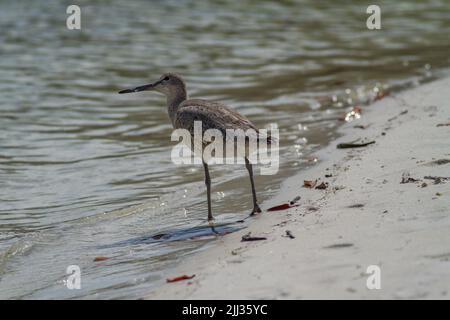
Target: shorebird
213, 115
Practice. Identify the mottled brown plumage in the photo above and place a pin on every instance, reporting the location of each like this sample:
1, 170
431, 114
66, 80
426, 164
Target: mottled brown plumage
213, 115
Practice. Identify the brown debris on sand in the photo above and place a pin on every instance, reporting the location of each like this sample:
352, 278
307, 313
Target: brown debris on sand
312, 184
339, 245
289, 234
438, 162
322, 186
309, 183
353, 145
407, 179
400, 114
293, 201
284, 206
180, 278
357, 205
248, 237
437, 180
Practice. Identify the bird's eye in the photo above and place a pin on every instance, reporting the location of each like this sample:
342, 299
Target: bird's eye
166, 78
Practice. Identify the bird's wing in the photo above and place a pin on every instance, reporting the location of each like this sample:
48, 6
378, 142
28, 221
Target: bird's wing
213, 115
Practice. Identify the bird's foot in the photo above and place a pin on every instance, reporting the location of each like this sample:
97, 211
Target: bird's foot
212, 226
256, 210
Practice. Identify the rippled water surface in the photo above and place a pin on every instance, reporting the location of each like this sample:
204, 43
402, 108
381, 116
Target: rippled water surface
85, 172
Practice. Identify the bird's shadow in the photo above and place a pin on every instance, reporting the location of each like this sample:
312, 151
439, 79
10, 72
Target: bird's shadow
201, 232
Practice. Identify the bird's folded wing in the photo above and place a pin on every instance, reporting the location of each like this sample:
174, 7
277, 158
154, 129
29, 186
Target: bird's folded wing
212, 116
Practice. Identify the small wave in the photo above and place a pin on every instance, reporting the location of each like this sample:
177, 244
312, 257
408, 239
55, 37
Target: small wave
20, 246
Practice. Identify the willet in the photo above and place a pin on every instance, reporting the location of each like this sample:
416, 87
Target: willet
213, 115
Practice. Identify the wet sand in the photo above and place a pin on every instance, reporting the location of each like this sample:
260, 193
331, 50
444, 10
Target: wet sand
380, 208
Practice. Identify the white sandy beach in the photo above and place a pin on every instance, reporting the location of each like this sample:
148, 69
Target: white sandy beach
365, 217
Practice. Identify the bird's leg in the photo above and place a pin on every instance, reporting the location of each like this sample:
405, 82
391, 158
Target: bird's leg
256, 208
208, 190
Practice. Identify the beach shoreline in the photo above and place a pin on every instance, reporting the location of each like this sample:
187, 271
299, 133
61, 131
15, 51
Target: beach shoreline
383, 205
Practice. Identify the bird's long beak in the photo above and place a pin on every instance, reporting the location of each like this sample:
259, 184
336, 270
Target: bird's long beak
145, 87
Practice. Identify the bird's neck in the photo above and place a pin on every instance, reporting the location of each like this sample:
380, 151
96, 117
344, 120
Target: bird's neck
174, 100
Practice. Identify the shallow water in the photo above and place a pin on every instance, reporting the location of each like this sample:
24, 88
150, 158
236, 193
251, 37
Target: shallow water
85, 172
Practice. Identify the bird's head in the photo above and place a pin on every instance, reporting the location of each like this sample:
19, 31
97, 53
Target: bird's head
168, 84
